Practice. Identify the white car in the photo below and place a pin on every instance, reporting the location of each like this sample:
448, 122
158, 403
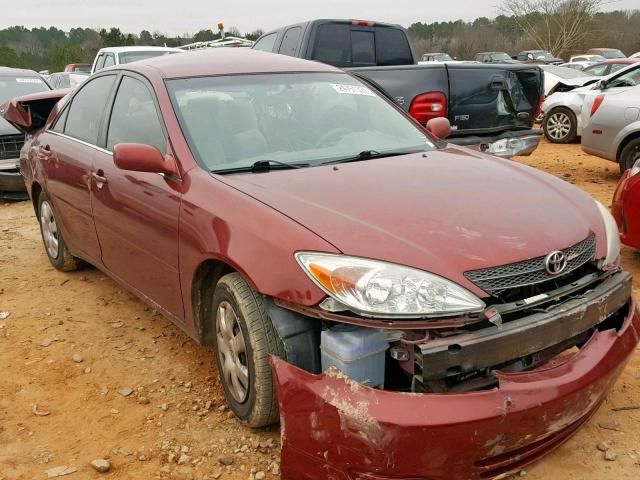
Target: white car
562, 110
553, 74
635, 55
587, 58
107, 57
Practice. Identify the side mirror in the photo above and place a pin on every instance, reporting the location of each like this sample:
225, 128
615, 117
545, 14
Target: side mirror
601, 85
138, 157
439, 127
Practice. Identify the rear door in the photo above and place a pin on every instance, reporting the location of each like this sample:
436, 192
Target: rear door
136, 213
484, 98
65, 155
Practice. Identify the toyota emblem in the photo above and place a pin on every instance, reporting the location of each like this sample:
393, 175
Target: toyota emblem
555, 263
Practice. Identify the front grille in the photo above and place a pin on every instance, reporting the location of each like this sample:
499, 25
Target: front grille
496, 280
10, 146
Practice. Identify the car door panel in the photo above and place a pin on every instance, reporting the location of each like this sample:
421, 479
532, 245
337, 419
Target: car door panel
66, 164
136, 213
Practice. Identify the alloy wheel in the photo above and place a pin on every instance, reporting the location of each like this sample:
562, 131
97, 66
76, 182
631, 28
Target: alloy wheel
49, 229
232, 351
558, 125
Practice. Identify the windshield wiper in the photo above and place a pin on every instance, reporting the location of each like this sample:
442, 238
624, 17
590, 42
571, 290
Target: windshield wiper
369, 154
262, 166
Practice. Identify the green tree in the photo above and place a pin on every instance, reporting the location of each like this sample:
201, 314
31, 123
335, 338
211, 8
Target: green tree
63, 54
9, 58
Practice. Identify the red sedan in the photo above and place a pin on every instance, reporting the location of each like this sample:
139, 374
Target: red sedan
626, 200
406, 308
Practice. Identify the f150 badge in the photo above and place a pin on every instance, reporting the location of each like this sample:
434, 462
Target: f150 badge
461, 118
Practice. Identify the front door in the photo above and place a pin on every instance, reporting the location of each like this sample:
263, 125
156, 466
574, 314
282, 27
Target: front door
136, 213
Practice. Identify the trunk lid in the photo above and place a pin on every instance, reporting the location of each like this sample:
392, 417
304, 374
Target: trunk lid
30, 113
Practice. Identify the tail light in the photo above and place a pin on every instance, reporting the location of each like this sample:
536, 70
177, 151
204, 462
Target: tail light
596, 104
539, 107
428, 105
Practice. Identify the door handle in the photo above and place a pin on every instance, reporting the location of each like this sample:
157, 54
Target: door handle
99, 177
44, 152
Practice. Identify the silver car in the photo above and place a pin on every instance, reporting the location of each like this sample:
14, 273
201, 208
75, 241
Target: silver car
562, 110
612, 124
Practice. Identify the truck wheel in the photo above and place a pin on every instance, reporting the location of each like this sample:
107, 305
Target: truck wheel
630, 155
244, 338
560, 126
54, 244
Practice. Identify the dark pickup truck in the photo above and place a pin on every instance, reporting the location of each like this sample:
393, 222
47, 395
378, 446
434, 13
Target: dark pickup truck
490, 107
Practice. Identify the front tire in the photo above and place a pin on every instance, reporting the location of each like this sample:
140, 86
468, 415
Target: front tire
54, 245
244, 338
630, 155
560, 126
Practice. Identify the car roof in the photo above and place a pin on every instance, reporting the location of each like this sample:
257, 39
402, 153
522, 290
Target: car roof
603, 49
138, 49
8, 71
489, 53
223, 61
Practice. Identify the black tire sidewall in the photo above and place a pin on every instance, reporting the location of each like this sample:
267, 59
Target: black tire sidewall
243, 410
626, 162
571, 136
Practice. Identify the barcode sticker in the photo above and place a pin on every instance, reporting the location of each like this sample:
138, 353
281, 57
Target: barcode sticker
352, 89
28, 80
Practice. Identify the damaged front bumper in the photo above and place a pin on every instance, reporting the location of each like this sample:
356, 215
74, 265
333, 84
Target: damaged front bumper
506, 144
333, 427
11, 182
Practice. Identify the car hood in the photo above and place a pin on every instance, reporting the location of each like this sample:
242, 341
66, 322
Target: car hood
6, 128
447, 212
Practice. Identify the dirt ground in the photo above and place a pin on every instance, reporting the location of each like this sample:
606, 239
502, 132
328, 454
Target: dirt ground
75, 344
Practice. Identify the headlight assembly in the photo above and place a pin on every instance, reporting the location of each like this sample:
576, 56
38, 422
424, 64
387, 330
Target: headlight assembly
612, 237
381, 289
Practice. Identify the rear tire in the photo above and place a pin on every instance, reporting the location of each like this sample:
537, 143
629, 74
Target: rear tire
560, 126
54, 245
630, 155
244, 338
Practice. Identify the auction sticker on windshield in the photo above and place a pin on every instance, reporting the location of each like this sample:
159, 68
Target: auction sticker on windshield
352, 89
28, 80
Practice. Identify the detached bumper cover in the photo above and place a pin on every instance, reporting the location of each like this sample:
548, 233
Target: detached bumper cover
505, 144
335, 428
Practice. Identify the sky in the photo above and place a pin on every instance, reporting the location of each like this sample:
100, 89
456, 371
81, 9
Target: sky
176, 17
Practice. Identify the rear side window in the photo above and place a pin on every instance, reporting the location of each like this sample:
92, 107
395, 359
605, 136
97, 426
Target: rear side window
109, 61
290, 41
100, 62
87, 109
134, 118
392, 47
265, 44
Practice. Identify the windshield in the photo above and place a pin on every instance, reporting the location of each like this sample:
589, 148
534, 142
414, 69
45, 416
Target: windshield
232, 122
500, 56
442, 57
11, 87
613, 54
542, 55
128, 57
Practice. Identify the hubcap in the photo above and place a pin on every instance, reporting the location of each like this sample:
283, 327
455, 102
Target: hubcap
232, 352
49, 229
559, 125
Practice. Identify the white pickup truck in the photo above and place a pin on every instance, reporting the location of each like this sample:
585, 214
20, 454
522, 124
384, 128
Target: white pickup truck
106, 57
